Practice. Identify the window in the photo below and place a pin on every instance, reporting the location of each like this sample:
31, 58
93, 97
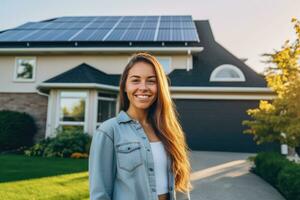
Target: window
166, 63
72, 110
106, 107
25, 69
228, 73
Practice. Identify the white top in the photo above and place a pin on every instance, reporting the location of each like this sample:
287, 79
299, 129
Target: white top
160, 167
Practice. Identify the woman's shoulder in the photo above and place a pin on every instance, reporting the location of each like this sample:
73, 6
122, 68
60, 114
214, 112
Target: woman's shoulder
112, 125
108, 125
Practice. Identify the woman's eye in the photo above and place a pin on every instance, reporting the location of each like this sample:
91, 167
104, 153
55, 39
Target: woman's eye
152, 81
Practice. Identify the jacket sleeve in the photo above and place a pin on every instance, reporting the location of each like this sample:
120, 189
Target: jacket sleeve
102, 166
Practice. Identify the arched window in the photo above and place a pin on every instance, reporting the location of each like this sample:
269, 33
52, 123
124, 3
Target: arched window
228, 73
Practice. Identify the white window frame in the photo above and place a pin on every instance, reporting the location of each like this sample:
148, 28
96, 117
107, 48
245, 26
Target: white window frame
213, 76
58, 110
169, 58
106, 99
15, 78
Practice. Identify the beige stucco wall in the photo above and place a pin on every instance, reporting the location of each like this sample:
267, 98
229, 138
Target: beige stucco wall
50, 66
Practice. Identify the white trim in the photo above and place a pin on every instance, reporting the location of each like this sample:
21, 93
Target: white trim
15, 79
173, 89
106, 98
221, 89
101, 49
49, 113
223, 96
72, 123
213, 76
78, 85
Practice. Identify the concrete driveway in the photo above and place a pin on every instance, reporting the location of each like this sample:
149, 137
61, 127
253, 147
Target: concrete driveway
226, 176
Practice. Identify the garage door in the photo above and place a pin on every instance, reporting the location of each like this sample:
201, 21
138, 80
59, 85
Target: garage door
216, 125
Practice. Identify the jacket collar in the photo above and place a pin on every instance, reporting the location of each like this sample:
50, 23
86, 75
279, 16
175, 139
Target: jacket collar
123, 117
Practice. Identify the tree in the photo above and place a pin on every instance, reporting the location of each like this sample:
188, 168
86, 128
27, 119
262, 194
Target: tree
27, 70
279, 120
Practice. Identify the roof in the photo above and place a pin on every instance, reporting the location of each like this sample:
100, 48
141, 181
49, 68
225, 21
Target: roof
85, 73
104, 31
209, 59
204, 63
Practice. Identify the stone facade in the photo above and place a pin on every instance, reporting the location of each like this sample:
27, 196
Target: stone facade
31, 103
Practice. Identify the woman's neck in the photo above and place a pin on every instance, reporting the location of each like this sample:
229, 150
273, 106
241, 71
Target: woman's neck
139, 115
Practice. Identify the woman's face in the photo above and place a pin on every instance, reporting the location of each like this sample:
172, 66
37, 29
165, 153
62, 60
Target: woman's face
141, 86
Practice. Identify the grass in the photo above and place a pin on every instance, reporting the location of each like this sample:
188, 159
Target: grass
23, 177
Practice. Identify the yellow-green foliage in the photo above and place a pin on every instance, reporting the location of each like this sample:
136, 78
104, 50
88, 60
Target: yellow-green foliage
281, 115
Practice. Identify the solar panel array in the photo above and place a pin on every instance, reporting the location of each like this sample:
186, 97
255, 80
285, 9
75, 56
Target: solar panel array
106, 28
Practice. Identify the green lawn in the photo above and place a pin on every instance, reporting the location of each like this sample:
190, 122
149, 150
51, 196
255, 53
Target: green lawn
23, 177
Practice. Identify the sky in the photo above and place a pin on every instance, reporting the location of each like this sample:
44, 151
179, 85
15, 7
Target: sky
246, 28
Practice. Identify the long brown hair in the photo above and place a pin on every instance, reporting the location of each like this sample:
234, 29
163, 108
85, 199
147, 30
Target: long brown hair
163, 117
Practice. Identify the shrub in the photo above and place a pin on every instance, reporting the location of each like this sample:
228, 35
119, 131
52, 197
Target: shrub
39, 148
289, 181
268, 165
279, 172
16, 130
79, 155
63, 145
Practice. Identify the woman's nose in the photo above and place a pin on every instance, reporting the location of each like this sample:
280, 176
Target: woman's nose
143, 86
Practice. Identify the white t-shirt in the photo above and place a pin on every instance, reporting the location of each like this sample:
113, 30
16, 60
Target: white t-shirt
160, 167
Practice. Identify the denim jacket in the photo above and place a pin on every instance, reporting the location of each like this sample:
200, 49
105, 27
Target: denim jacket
121, 164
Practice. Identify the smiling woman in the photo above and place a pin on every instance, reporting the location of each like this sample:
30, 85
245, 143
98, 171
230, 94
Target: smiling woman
141, 86
141, 153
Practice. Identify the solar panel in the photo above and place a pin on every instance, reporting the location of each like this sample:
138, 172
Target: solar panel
98, 35
106, 28
131, 35
115, 35
164, 35
146, 35
85, 34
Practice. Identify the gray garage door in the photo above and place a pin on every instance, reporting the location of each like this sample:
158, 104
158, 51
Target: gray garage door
215, 125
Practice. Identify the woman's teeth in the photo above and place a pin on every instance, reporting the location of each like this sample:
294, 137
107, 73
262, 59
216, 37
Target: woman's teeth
142, 96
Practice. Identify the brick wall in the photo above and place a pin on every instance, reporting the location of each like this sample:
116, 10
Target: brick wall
31, 103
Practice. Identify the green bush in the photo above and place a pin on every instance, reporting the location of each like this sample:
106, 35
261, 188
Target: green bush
16, 130
289, 181
268, 165
279, 172
63, 145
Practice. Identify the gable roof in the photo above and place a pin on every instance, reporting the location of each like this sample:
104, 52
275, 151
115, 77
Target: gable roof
209, 59
85, 73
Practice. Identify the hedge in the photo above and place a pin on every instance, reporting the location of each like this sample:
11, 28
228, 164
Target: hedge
16, 130
279, 172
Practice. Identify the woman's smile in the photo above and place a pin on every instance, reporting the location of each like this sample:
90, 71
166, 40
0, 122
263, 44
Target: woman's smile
142, 97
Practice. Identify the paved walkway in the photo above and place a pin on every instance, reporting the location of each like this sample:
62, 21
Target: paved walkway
226, 176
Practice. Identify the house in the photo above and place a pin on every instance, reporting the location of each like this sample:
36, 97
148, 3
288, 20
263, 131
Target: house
65, 72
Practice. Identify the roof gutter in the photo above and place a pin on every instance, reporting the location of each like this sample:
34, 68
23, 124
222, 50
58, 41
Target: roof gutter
221, 89
77, 85
172, 89
102, 49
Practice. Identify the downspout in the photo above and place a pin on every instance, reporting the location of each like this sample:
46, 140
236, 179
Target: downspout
188, 60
